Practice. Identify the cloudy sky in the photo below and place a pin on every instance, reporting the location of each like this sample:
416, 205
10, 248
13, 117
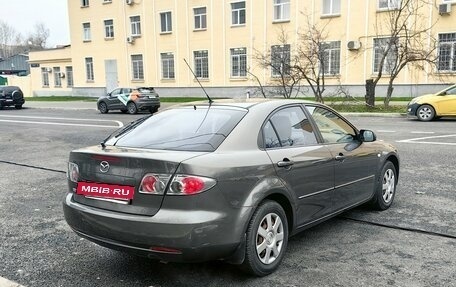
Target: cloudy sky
24, 14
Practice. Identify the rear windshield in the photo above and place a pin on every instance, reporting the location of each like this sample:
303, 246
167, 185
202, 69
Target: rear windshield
184, 129
146, 90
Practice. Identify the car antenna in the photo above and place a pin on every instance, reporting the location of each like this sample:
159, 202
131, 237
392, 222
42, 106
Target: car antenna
196, 78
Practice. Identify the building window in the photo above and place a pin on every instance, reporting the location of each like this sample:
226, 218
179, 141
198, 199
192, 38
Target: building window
166, 22
389, 4
135, 25
280, 60
201, 64
281, 10
137, 67
200, 18
331, 58
57, 79
69, 76
89, 69
238, 62
107, 1
86, 36
84, 3
331, 7
384, 46
167, 60
447, 52
109, 28
45, 77
238, 13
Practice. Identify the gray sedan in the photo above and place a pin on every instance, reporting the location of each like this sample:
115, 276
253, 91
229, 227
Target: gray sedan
229, 181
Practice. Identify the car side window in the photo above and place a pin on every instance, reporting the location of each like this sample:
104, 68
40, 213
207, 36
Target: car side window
288, 127
126, 90
451, 91
115, 93
333, 128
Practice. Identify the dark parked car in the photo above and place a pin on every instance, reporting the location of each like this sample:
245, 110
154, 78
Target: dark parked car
11, 96
228, 181
130, 100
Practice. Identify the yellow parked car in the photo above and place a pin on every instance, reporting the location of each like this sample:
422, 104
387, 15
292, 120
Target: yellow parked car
434, 106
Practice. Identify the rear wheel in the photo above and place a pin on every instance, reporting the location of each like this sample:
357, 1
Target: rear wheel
267, 238
103, 107
131, 107
18, 107
385, 187
425, 113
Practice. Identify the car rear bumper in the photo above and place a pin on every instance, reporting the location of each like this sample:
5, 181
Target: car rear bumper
146, 103
11, 102
170, 235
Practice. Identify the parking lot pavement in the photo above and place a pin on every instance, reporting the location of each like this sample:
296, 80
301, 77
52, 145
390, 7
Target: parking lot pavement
411, 244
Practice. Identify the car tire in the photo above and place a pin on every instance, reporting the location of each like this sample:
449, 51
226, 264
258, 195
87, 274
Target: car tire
18, 107
153, 110
103, 108
124, 111
425, 113
267, 239
385, 187
132, 109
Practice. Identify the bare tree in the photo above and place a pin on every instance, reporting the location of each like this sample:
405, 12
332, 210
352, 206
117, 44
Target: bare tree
9, 38
402, 40
38, 38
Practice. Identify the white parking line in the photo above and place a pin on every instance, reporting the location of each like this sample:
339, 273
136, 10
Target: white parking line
7, 283
420, 140
385, 131
422, 133
119, 123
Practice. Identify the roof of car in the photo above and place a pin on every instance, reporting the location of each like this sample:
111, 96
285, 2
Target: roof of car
248, 103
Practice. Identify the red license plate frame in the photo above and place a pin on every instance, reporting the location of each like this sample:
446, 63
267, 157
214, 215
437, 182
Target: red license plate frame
104, 190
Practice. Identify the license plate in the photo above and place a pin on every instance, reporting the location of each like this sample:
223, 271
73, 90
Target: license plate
103, 190
152, 97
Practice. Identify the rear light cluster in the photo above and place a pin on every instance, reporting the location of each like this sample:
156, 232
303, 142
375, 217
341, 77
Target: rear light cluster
179, 185
73, 172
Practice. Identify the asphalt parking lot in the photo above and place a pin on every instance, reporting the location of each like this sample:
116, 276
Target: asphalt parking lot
411, 244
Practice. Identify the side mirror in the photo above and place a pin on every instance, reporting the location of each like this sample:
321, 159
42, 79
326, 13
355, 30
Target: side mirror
367, 136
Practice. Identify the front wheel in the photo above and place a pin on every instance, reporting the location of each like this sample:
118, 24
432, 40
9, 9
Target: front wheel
131, 107
425, 113
267, 238
103, 107
385, 187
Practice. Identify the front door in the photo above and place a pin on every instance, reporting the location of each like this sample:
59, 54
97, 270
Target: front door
446, 102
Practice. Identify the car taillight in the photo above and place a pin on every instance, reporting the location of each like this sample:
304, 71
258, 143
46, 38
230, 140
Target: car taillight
154, 183
189, 185
73, 172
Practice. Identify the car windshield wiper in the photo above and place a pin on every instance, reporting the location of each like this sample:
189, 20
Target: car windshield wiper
125, 129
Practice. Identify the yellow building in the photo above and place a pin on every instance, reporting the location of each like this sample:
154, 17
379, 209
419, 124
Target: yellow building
145, 42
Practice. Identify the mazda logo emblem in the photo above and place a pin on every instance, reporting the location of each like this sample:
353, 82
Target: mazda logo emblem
104, 166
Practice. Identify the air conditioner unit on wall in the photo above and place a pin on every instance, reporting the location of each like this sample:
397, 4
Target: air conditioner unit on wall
62, 75
444, 8
129, 2
49, 70
131, 39
353, 45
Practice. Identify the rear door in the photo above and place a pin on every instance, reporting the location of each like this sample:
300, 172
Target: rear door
355, 162
446, 103
306, 167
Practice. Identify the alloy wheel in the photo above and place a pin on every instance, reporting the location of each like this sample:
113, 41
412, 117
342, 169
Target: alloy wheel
269, 238
425, 113
388, 186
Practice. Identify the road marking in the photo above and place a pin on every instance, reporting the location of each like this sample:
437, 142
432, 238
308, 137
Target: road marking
7, 283
419, 140
385, 131
422, 132
60, 124
119, 123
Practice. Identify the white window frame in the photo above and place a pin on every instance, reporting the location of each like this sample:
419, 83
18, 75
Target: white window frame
57, 79
333, 59
137, 67
236, 19
168, 22
331, 7
86, 32
201, 66
107, 1
238, 58
108, 29
451, 46
69, 76
85, 3
167, 64
280, 10
280, 71
90, 77
200, 19
390, 5
135, 26
389, 58
45, 77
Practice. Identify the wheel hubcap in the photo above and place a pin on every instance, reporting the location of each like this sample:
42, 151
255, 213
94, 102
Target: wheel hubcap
389, 183
269, 238
425, 113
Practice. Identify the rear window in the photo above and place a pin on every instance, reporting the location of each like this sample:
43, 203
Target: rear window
146, 90
184, 129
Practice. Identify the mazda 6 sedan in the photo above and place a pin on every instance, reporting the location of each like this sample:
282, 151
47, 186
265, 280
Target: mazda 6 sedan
228, 181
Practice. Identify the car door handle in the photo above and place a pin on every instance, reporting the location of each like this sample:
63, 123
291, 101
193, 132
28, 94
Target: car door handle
340, 157
285, 163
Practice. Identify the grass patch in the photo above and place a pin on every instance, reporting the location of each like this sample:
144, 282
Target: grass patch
350, 108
